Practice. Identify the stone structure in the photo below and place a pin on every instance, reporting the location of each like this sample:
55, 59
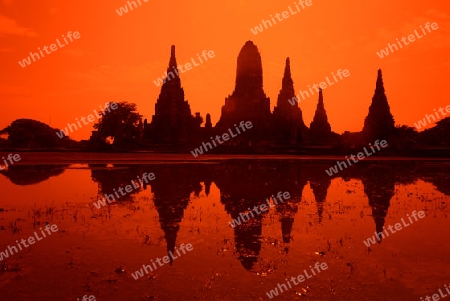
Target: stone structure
248, 101
379, 123
208, 124
320, 129
173, 122
288, 118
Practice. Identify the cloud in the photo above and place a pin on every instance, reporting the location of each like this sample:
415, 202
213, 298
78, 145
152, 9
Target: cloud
10, 27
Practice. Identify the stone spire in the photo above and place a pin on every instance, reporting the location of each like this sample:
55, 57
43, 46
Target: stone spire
379, 123
172, 122
249, 76
288, 118
248, 101
379, 85
287, 88
208, 124
173, 60
321, 114
172, 78
320, 129
287, 83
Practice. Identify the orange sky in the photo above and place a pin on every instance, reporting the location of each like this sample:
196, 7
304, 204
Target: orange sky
117, 57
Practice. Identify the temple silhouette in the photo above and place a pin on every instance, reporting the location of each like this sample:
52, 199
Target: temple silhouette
174, 123
174, 128
279, 131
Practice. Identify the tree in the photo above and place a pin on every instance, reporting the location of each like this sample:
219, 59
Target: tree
439, 135
406, 137
28, 133
121, 125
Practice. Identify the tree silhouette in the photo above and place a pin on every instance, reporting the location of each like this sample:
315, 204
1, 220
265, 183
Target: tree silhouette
405, 137
438, 135
121, 125
28, 133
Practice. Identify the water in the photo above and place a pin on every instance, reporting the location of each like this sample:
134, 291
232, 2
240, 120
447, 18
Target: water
325, 220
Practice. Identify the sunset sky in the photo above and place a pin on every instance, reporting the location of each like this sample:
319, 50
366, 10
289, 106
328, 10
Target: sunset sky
117, 58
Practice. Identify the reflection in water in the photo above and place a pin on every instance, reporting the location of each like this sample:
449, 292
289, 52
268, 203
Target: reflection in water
109, 180
244, 184
172, 190
240, 189
32, 174
319, 183
379, 186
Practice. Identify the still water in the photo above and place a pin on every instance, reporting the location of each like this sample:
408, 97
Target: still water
325, 220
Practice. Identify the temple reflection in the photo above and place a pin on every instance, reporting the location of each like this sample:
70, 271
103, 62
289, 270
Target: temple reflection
244, 184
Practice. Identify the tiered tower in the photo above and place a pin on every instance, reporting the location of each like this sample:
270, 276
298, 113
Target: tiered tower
320, 129
248, 101
379, 123
288, 118
173, 121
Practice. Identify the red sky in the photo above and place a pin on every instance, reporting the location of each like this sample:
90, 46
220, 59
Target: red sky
117, 57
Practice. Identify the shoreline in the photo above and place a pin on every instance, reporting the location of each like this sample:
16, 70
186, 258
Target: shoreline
58, 158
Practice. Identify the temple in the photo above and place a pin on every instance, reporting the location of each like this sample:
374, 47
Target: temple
288, 119
320, 129
379, 123
172, 122
284, 129
248, 101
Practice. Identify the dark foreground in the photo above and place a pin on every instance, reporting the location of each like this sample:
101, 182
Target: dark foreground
96, 251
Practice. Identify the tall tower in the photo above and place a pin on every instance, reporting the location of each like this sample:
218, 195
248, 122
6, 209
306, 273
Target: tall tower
320, 129
379, 123
173, 121
248, 101
288, 118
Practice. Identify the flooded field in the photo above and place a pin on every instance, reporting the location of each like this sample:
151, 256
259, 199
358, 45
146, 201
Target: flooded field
99, 248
